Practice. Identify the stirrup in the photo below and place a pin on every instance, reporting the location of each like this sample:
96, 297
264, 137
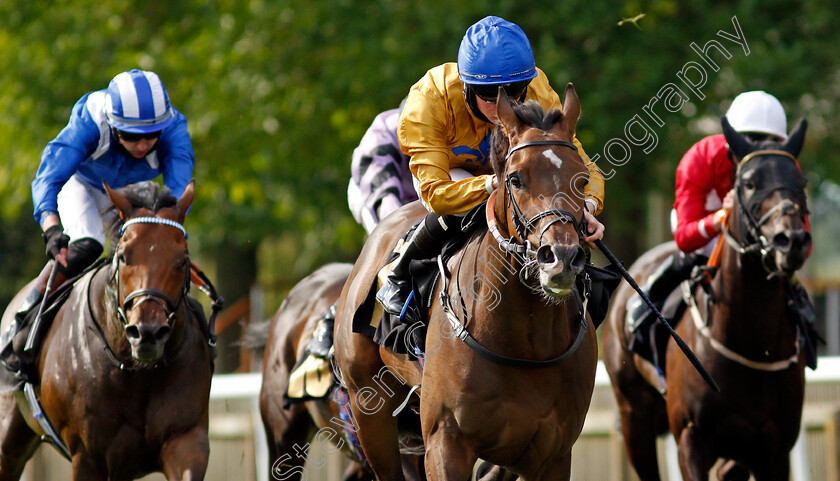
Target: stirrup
394, 295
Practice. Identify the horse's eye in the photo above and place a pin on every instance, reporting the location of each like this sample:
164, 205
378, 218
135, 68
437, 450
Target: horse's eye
749, 185
515, 181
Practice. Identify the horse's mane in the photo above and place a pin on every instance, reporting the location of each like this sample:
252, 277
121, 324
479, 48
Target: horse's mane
530, 113
148, 194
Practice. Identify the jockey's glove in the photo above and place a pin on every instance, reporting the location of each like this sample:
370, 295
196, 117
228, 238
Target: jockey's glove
55, 240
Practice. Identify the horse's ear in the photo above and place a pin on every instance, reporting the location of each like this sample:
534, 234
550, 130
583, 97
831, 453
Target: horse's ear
505, 112
123, 205
186, 200
738, 144
571, 109
794, 143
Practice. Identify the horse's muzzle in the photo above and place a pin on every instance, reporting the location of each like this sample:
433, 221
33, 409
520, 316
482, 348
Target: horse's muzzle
147, 341
559, 265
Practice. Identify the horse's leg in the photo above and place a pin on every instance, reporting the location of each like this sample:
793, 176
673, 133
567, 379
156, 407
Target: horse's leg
288, 431
84, 469
695, 459
356, 472
377, 430
489, 472
639, 431
448, 457
17, 441
184, 457
560, 469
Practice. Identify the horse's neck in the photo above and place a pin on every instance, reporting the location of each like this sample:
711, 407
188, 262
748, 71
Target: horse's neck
103, 299
749, 306
504, 308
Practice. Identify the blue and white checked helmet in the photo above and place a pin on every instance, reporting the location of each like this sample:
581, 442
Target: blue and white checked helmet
137, 102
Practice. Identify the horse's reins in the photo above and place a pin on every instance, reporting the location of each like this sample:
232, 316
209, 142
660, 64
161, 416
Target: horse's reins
512, 245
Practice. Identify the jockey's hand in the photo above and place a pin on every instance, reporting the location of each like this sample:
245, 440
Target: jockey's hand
729, 200
594, 229
56, 243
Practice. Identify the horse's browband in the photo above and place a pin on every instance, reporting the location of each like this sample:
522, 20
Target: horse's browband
540, 142
154, 220
767, 152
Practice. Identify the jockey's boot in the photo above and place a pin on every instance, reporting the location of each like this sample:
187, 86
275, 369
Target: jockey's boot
32, 300
322, 339
667, 277
422, 245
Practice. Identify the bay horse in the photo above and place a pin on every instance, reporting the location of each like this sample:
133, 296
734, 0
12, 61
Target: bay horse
743, 333
312, 425
124, 371
523, 405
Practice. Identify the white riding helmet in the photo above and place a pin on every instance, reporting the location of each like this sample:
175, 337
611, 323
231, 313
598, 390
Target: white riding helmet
757, 111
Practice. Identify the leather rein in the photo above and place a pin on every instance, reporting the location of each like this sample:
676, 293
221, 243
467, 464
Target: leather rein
524, 249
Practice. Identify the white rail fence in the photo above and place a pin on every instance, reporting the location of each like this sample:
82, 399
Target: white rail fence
239, 451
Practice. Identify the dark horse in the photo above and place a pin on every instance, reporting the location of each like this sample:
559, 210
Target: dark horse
314, 423
125, 368
522, 406
743, 333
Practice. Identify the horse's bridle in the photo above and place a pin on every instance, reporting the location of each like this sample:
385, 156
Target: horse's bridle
523, 224
523, 248
752, 240
169, 306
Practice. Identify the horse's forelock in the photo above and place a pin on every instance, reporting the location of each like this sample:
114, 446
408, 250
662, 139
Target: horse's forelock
149, 195
529, 113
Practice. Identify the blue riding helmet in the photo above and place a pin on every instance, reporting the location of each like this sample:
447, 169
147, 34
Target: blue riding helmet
494, 52
137, 102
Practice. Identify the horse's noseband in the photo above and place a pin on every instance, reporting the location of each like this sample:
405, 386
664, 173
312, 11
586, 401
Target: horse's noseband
137, 297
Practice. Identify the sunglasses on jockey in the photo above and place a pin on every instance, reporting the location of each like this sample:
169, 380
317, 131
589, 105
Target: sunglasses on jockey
489, 93
132, 137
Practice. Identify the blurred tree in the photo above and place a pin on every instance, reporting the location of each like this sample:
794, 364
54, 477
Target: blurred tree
278, 93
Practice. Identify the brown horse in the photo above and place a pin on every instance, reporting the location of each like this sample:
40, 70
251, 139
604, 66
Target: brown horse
125, 368
744, 334
518, 394
309, 426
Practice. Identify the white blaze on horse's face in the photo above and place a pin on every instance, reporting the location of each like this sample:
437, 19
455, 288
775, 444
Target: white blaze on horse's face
557, 161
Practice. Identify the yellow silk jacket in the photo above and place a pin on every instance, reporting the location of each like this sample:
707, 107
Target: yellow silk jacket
439, 132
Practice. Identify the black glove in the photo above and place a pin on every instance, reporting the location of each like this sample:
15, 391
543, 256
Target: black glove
55, 239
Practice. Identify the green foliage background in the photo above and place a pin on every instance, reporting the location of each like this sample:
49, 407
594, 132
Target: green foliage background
278, 93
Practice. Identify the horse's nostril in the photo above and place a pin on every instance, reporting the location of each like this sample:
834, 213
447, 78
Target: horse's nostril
132, 331
162, 333
579, 260
545, 256
781, 241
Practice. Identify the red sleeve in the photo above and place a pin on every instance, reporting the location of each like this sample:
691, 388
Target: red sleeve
695, 180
